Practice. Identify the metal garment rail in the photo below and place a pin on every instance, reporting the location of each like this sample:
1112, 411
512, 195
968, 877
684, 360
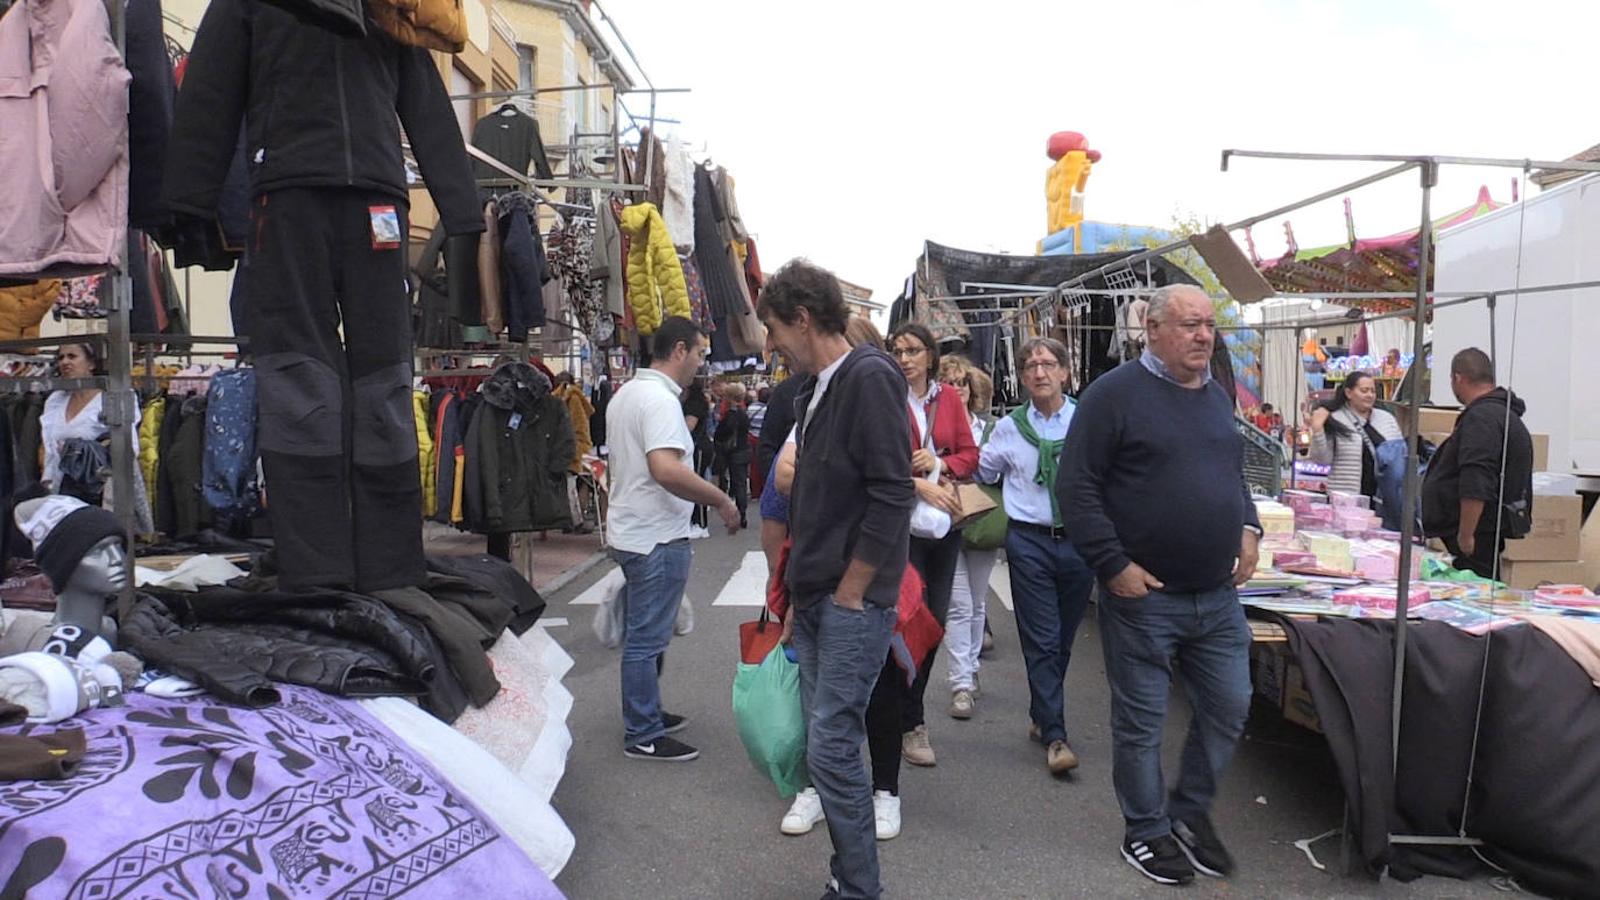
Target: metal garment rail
1429, 166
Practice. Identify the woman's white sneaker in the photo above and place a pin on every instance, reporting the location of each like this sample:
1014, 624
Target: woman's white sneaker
886, 815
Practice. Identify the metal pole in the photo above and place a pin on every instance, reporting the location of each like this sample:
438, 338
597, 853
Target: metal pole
118, 402
1494, 360
1558, 166
647, 146
1408, 506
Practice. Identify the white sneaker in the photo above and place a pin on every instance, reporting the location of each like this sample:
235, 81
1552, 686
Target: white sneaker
886, 814
805, 812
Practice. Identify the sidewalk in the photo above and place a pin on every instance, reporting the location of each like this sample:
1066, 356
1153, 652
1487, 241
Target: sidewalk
557, 558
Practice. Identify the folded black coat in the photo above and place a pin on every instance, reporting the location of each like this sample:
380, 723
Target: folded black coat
460, 636
236, 643
489, 589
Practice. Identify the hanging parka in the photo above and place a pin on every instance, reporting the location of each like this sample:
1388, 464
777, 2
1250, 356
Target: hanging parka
319, 110
522, 444
655, 277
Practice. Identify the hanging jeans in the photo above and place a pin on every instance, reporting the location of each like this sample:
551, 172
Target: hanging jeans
337, 435
1203, 639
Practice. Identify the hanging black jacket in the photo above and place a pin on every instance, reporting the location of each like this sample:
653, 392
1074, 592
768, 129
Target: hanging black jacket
522, 444
1467, 464
319, 111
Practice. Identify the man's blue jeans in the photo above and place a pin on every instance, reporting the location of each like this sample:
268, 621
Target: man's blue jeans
1204, 639
841, 652
653, 591
1050, 587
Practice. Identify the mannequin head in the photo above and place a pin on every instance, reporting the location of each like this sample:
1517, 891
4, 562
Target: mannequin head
103, 571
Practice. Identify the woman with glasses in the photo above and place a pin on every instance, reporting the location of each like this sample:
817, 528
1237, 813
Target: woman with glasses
942, 452
966, 625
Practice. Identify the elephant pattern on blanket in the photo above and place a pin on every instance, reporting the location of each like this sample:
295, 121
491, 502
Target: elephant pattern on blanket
308, 798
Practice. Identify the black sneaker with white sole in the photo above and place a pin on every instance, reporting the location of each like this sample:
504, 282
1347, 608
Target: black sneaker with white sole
1159, 860
674, 723
664, 749
1200, 843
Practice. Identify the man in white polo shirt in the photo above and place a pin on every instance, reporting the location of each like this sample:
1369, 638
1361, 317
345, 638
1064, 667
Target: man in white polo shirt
653, 488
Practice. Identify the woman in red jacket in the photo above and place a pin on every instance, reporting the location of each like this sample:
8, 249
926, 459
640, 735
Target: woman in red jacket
941, 438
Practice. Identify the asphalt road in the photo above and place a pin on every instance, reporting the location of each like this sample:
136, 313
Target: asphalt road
987, 822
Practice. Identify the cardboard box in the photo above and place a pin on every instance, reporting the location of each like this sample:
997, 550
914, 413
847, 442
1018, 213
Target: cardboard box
1541, 452
1589, 550
1528, 574
1436, 420
1557, 527
1297, 704
1437, 438
1268, 663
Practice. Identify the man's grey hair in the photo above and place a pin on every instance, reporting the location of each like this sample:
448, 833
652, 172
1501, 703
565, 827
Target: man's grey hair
1161, 298
1029, 346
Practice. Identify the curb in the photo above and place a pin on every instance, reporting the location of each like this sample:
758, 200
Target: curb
573, 574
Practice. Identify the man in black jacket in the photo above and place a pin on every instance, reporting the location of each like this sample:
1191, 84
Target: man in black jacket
850, 517
1464, 499
322, 116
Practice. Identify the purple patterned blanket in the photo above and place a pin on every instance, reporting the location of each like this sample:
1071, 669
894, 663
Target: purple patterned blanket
310, 798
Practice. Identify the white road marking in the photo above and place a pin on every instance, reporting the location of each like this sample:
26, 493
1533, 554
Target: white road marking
596, 593
748, 586
556, 622
1000, 582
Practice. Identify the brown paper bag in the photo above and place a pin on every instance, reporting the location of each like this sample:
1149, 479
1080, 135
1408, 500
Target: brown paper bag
974, 503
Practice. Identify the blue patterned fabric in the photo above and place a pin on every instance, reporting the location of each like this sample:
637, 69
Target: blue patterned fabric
228, 465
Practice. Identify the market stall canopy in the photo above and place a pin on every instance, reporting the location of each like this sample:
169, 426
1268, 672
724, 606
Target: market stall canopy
1382, 264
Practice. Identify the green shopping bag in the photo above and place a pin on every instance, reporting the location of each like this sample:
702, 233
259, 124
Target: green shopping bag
766, 706
989, 531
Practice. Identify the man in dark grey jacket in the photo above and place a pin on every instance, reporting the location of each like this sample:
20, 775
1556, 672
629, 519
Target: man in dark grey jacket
850, 517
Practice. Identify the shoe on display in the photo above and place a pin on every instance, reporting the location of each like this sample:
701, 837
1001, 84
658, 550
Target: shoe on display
674, 723
916, 747
962, 705
664, 749
886, 815
1199, 841
1159, 860
1060, 758
804, 813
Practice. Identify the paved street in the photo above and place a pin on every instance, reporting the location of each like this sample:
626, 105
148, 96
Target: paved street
987, 822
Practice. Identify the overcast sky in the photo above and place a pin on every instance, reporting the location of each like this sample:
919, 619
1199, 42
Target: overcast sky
856, 130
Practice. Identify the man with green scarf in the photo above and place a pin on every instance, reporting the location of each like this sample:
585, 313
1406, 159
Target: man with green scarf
1050, 583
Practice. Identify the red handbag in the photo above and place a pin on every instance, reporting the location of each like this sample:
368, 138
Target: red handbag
756, 639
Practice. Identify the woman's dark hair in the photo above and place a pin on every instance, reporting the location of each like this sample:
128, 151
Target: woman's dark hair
923, 336
764, 395
1341, 399
90, 352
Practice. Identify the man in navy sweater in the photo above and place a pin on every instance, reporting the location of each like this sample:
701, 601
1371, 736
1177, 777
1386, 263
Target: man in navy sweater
1151, 491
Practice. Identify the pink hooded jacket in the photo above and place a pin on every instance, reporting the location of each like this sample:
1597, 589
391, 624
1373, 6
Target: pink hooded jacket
64, 145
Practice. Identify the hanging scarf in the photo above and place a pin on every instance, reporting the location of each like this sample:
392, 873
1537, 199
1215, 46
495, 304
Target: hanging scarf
1049, 458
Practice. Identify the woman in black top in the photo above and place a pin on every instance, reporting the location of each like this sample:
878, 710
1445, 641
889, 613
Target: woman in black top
732, 444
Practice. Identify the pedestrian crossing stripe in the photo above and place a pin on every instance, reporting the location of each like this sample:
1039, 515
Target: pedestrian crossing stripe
1000, 582
597, 593
556, 622
748, 586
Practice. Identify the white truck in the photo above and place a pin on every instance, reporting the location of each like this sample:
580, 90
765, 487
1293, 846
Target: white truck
1546, 346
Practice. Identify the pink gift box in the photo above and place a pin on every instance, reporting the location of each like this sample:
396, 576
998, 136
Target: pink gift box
1380, 596
1343, 500
1283, 558
1301, 501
